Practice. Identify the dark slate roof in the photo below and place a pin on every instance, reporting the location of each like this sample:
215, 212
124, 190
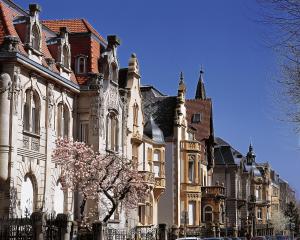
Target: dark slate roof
160, 107
226, 154
152, 131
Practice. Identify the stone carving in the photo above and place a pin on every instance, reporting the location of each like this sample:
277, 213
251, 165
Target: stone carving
16, 88
5, 82
25, 141
50, 101
35, 144
113, 97
10, 44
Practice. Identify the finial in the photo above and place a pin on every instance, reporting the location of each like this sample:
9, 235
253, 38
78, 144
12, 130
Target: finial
133, 55
181, 77
201, 69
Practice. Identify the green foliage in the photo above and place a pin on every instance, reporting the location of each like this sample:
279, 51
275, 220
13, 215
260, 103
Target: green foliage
292, 213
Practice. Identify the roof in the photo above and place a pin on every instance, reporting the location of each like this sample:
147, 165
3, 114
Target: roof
152, 131
73, 25
226, 154
204, 129
160, 107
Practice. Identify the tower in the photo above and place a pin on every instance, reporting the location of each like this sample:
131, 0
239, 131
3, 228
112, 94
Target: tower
200, 91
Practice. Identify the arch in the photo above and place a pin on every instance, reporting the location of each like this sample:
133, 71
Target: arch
35, 37
58, 198
81, 64
28, 195
208, 213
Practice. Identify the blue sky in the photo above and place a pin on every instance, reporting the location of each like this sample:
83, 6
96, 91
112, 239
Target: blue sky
170, 36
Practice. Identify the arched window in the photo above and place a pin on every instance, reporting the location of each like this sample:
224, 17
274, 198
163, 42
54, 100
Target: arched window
259, 213
27, 199
66, 56
31, 114
81, 65
208, 214
58, 199
135, 114
156, 163
258, 193
112, 132
35, 37
63, 120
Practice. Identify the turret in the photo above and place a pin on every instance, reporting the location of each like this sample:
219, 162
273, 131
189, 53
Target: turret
250, 155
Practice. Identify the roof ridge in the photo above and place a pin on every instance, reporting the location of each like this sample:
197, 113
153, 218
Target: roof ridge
58, 20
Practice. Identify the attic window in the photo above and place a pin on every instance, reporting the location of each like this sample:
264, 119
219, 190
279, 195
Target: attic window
35, 38
197, 118
81, 64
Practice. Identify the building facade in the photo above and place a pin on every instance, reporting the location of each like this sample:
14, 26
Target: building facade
61, 78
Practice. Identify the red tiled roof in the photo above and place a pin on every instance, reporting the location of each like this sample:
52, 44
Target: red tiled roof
82, 79
73, 25
6, 25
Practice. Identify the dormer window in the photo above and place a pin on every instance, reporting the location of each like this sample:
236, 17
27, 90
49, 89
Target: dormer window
66, 56
197, 118
81, 65
35, 38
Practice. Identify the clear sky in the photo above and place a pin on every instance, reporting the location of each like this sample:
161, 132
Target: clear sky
170, 36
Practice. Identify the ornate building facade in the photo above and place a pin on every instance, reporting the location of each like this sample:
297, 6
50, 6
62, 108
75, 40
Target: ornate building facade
61, 78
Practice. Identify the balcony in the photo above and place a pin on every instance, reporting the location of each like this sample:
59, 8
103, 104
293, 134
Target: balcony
213, 192
194, 146
136, 136
148, 177
160, 182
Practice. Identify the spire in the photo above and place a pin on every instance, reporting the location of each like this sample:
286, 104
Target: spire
200, 92
181, 86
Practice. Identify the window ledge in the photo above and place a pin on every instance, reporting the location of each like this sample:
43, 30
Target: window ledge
36, 52
112, 151
31, 134
63, 67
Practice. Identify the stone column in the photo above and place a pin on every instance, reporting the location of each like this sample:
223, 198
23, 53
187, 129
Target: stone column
5, 85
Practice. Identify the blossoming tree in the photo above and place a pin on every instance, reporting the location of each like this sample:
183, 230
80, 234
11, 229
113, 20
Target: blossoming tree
109, 179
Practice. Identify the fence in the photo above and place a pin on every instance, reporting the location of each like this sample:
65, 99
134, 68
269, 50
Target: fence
38, 226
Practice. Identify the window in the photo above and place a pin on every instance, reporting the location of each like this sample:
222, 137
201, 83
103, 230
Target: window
135, 114
259, 213
258, 193
63, 120
84, 132
202, 176
112, 132
197, 118
191, 136
81, 65
192, 212
65, 56
135, 155
208, 214
35, 37
31, 114
156, 163
191, 170
141, 214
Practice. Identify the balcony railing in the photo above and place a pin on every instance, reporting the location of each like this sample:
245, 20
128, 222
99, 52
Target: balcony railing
213, 191
148, 177
190, 145
160, 182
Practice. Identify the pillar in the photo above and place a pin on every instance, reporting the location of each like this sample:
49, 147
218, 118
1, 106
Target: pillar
38, 220
5, 83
